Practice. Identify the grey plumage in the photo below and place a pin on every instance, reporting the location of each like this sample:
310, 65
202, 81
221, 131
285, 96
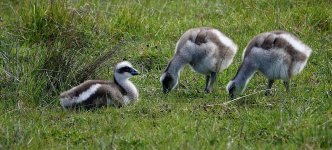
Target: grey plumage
97, 93
277, 54
206, 50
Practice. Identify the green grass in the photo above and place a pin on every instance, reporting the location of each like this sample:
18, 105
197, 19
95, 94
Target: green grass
44, 44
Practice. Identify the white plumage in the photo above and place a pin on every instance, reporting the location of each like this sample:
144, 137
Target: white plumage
206, 50
97, 93
277, 54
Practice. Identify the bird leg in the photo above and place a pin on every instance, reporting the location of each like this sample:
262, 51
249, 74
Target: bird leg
210, 79
207, 81
286, 84
269, 86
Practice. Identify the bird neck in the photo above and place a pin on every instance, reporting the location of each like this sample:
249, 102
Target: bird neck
175, 66
127, 88
244, 74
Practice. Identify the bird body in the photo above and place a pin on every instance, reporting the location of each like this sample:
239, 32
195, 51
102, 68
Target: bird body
206, 50
97, 93
276, 54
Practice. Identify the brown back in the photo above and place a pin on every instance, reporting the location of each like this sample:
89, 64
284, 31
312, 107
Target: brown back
76, 91
270, 40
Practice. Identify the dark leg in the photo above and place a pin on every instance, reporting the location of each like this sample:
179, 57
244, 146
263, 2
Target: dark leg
286, 84
211, 81
207, 81
269, 86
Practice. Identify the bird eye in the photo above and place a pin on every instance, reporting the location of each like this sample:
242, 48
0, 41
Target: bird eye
124, 69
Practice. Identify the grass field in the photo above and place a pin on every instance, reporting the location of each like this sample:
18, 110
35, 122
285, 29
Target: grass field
45, 44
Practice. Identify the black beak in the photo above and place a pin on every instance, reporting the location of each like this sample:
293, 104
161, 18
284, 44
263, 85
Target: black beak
231, 96
165, 90
134, 72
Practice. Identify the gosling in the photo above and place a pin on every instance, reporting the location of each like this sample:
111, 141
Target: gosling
206, 50
98, 93
276, 54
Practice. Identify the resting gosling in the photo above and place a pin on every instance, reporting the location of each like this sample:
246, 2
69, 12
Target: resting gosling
97, 93
277, 54
206, 50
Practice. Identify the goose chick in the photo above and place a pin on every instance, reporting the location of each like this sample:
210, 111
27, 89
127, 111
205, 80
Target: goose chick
276, 54
97, 93
206, 50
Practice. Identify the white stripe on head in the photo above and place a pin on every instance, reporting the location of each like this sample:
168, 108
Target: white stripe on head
225, 40
297, 44
229, 85
162, 77
244, 52
124, 75
123, 64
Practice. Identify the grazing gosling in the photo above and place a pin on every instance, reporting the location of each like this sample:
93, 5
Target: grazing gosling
277, 54
97, 93
206, 50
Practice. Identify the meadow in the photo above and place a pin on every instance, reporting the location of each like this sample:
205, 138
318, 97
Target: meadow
46, 46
